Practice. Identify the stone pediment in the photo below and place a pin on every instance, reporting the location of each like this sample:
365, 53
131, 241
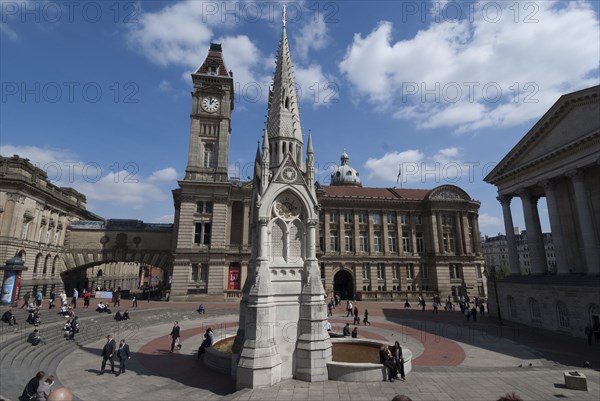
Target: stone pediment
565, 126
289, 173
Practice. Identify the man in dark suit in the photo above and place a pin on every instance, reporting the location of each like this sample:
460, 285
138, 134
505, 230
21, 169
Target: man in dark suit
175, 336
123, 354
108, 354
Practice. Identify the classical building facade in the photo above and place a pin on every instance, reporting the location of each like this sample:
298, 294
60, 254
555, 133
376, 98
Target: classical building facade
34, 216
37, 219
495, 251
559, 159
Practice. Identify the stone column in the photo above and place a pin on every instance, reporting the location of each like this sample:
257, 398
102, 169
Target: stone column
459, 234
511, 242
440, 233
413, 233
466, 225
591, 248
246, 224
476, 234
562, 266
535, 240
384, 234
8, 215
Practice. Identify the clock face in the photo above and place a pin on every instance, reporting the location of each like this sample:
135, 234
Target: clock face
210, 104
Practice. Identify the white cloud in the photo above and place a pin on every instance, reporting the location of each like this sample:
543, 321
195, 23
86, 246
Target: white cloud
166, 219
165, 86
485, 220
442, 167
48, 159
316, 87
312, 36
482, 73
165, 175
386, 168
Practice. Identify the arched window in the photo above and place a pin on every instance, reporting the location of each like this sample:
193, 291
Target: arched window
46, 263
54, 264
512, 307
36, 265
562, 315
534, 309
283, 148
208, 155
287, 103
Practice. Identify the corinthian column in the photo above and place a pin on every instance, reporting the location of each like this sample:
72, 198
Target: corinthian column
557, 237
534, 233
513, 256
590, 243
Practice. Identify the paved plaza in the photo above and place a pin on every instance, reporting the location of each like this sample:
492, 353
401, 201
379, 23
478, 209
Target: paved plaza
453, 359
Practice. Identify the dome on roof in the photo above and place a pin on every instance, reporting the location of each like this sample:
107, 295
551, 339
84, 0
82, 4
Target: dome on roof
344, 174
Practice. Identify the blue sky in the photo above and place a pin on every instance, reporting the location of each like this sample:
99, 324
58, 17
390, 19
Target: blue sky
98, 93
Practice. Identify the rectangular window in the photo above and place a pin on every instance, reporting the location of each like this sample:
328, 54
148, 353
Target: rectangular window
380, 271
410, 271
195, 272
208, 207
406, 245
334, 241
454, 271
366, 271
418, 219
347, 217
362, 217
377, 241
449, 243
478, 270
420, 243
207, 228
377, 218
404, 219
204, 272
199, 206
56, 237
333, 217
396, 271
423, 270
198, 233
364, 241
204, 207
392, 242
349, 241
391, 218
208, 155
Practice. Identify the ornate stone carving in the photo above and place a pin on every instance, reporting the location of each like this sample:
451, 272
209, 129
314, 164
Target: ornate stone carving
287, 207
504, 200
446, 195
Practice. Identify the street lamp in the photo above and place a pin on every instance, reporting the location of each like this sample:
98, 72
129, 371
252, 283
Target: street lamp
492, 275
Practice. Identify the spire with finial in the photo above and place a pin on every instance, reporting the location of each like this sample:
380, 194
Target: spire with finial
283, 116
283, 15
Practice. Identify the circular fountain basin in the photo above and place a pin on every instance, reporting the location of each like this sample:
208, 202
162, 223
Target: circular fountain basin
353, 360
218, 357
357, 360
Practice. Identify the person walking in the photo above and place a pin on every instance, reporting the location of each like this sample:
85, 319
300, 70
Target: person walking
134, 300
123, 355
117, 299
38, 298
26, 298
330, 308
51, 299
175, 336
366, 318
108, 354
86, 299
74, 300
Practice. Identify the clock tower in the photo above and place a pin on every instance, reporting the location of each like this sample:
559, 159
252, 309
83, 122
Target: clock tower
210, 127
